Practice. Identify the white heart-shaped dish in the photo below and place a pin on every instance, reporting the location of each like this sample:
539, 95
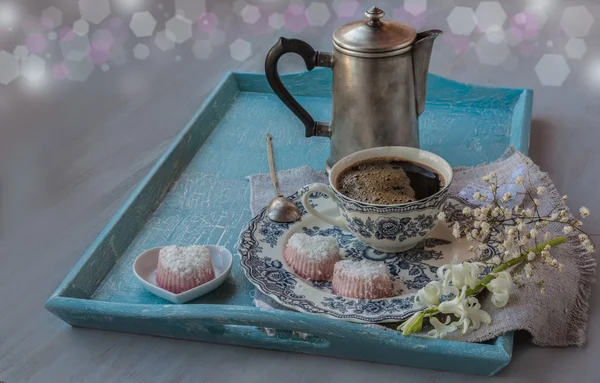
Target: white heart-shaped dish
146, 263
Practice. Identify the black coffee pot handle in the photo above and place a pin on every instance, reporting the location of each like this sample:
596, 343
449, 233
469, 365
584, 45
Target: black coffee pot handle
312, 59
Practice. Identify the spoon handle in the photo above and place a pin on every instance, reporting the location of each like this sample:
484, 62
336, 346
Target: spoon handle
272, 164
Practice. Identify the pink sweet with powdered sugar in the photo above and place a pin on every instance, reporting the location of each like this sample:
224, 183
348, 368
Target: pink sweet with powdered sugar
183, 268
312, 257
362, 279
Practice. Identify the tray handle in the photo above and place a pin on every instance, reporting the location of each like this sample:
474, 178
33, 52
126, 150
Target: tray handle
312, 59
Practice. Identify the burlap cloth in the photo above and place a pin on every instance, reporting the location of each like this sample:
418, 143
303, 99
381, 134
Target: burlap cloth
557, 317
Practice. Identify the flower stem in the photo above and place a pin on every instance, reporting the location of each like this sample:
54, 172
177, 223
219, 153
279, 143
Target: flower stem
506, 265
515, 261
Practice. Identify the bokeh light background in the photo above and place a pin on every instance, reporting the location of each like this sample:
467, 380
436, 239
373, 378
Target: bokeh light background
70, 41
92, 91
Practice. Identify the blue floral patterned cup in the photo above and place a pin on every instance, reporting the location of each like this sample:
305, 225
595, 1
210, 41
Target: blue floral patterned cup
387, 228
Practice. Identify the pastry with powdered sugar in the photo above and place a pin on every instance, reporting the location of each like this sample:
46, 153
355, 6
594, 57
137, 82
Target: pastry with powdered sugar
312, 257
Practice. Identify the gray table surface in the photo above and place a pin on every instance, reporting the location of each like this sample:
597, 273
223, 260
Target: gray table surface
71, 152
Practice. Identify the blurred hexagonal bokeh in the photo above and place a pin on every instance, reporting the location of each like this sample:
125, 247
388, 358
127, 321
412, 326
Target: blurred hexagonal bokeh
35, 43
495, 34
345, 8
74, 47
415, 7
317, 14
52, 17
81, 27
552, 69
179, 29
163, 42
202, 49
536, 17
240, 50
576, 21
489, 13
576, 48
142, 24
9, 67
250, 14
33, 68
78, 71
94, 11
141, 51
217, 37
461, 21
20, 51
490, 53
276, 20
190, 9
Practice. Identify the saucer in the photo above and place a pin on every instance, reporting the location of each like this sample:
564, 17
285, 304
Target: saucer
261, 249
146, 263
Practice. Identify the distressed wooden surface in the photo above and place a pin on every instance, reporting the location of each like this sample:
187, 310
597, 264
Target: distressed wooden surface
70, 157
197, 193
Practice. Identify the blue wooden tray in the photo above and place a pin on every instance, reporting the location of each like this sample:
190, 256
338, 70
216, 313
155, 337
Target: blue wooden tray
197, 193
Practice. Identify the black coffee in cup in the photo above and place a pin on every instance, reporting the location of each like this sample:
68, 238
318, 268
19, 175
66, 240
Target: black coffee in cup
388, 181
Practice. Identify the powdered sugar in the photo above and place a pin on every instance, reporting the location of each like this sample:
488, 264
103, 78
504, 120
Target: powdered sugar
317, 247
364, 269
185, 261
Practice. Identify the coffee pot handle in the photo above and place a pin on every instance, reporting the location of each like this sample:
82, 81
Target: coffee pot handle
312, 59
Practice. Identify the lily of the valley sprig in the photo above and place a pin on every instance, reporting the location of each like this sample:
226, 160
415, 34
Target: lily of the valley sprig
522, 240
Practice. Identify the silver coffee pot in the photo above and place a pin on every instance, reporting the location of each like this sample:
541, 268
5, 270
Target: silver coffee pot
379, 79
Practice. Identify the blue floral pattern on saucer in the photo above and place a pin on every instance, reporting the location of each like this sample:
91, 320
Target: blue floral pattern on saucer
262, 244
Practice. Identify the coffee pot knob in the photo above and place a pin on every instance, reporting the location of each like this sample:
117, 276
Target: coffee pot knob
374, 15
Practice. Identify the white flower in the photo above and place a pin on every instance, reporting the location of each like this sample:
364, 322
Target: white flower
554, 217
507, 214
545, 254
485, 227
519, 180
582, 237
530, 256
554, 263
500, 288
547, 247
568, 229
440, 330
564, 198
493, 188
528, 270
486, 178
578, 223
460, 274
528, 213
456, 230
507, 197
537, 202
477, 195
473, 315
492, 175
518, 279
533, 232
541, 190
467, 211
429, 295
413, 324
495, 260
584, 211
441, 216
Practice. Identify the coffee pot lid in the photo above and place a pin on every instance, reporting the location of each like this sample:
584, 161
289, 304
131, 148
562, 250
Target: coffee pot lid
374, 35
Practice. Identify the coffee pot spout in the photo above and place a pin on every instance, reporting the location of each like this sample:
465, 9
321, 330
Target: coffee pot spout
422, 48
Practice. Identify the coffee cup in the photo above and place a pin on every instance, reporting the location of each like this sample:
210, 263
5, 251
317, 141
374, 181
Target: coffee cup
389, 228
